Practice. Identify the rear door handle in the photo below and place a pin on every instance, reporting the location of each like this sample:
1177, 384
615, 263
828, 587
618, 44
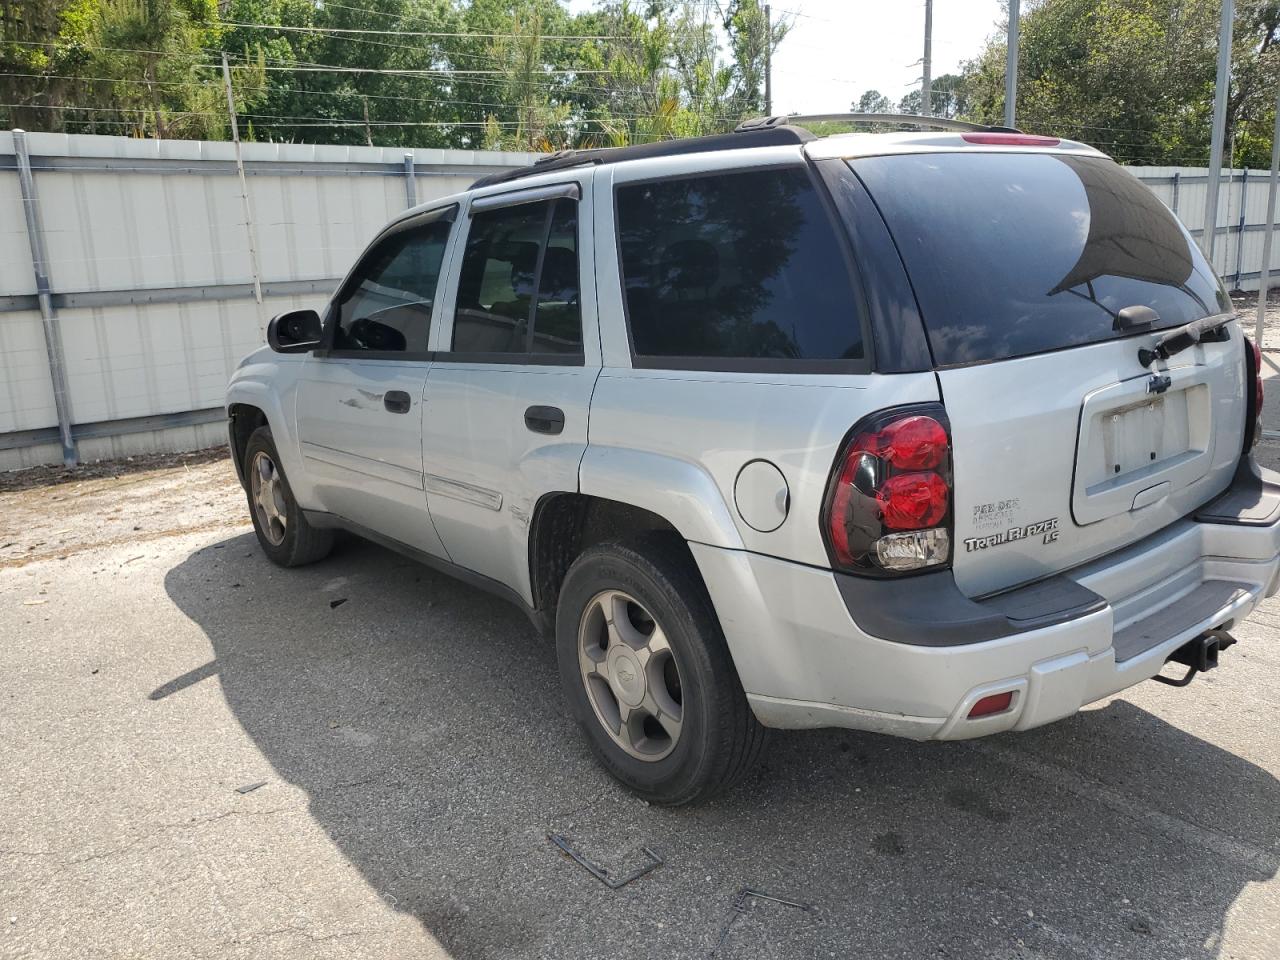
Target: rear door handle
544, 419
397, 401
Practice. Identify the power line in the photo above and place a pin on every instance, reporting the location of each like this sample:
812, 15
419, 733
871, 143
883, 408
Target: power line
423, 33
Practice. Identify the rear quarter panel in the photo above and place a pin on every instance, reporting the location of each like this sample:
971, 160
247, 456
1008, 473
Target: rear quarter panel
699, 430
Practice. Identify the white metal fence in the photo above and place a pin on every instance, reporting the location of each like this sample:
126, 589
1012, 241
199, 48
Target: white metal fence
147, 281
127, 285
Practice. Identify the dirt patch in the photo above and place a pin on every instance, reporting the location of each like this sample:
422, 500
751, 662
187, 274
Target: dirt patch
52, 513
1247, 305
14, 480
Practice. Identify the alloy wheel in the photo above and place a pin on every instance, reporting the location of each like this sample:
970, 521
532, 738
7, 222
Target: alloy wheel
266, 489
631, 676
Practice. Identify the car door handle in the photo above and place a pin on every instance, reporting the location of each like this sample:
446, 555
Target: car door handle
397, 401
544, 419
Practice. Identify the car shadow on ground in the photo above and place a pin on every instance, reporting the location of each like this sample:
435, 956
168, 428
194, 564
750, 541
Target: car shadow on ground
424, 721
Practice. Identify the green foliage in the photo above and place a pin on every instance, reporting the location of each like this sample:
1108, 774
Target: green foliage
1136, 77
110, 66
508, 74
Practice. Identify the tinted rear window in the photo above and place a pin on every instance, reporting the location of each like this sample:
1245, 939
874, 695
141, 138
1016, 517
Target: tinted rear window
736, 267
1017, 254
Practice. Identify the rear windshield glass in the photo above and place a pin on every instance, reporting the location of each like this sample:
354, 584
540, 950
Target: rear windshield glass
1017, 254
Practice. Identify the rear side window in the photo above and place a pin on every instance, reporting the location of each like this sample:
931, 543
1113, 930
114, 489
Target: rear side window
735, 267
386, 306
1017, 254
518, 287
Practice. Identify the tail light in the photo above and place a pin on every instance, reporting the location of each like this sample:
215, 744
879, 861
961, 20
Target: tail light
888, 503
1253, 395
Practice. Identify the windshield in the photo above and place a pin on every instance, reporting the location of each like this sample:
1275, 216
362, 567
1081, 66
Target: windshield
1020, 253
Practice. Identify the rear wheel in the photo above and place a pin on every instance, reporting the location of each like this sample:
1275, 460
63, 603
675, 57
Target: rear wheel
283, 532
647, 673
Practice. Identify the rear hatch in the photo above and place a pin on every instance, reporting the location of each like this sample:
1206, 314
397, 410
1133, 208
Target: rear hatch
1066, 447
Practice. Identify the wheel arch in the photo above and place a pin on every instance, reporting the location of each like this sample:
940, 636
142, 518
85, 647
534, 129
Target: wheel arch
565, 524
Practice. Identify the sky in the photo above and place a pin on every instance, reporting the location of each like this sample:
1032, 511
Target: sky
839, 48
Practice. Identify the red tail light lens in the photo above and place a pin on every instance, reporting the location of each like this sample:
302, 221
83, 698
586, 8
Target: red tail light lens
888, 505
1257, 376
912, 443
1253, 372
913, 501
1010, 139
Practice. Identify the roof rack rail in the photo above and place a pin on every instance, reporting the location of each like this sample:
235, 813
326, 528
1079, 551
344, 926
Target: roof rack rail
911, 119
758, 132
765, 136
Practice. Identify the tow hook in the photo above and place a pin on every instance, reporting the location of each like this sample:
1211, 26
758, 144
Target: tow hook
1198, 655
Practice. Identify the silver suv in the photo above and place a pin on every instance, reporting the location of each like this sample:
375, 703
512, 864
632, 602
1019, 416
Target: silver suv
933, 434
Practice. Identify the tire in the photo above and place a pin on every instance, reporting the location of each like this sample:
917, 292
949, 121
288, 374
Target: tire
283, 532
703, 737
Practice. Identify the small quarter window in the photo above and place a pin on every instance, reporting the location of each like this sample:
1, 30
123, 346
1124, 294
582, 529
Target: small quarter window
742, 266
386, 306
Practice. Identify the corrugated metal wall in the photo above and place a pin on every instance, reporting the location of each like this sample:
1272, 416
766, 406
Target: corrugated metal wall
149, 265
151, 277
1242, 211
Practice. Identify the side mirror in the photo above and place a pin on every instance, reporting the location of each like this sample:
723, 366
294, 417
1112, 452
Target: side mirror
297, 331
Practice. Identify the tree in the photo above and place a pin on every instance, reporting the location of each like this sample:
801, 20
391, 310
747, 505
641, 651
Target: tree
515, 74
136, 67
872, 101
948, 96
1136, 77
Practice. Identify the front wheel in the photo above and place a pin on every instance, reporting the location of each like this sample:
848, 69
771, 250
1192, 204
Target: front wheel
283, 532
647, 674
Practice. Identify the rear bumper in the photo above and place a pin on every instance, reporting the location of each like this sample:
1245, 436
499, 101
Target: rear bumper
810, 655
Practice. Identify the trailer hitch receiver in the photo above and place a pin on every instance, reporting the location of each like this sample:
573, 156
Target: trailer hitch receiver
1198, 655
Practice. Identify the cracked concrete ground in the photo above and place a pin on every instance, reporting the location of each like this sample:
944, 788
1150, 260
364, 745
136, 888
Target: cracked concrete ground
415, 755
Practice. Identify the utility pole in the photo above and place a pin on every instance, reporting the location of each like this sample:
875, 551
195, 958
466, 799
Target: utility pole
368, 132
768, 62
926, 86
244, 188
1011, 66
1221, 88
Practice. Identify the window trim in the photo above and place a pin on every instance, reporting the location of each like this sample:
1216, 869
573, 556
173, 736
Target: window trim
447, 214
640, 361
513, 198
551, 194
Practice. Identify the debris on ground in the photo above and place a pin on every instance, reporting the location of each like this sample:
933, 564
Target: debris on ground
600, 873
333, 604
741, 905
250, 787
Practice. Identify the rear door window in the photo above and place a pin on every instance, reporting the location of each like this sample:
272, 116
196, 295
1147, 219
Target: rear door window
735, 270
518, 288
1016, 254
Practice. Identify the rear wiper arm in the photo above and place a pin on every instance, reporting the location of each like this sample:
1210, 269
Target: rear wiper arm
1210, 329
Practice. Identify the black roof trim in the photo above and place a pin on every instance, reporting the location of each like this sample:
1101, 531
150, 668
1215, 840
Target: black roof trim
778, 135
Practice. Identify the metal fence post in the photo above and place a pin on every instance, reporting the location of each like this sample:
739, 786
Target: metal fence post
1177, 183
1269, 223
1221, 85
44, 295
246, 204
1244, 198
410, 183
1011, 66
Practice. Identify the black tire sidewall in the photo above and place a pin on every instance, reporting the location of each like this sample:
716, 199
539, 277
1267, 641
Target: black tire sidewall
614, 566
